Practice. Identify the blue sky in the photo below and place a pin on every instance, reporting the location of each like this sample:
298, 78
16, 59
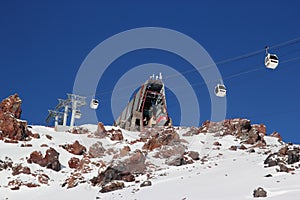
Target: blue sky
43, 44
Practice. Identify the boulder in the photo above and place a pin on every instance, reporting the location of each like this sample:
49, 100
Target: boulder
11, 127
259, 192
194, 155
162, 137
146, 183
277, 135
19, 169
73, 163
43, 178
115, 134
111, 174
176, 161
51, 159
12, 105
101, 131
112, 187
97, 150
76, 148
293, 156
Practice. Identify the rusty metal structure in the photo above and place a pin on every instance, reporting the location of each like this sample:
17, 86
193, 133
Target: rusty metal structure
147, 108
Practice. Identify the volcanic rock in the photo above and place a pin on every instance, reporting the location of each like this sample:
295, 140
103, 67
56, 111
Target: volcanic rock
146, 183
12, 105
101, 131
293, 156
11, 126
277, 135
115, 134
175, 161
111, 187
76, 148
43, 178
259, 192
111, 174
194, 155
162, 137
73, 163
49, 161
19, 169
96, 150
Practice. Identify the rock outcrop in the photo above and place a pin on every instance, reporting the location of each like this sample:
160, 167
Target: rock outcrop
112, 187
50, 160
241, 128
259, 192
97, 150
113, 134
11, 127
76, 148
287, 155
157, 137
111, 174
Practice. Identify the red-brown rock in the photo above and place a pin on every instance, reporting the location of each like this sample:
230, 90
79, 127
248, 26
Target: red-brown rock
75, 148
19, 169
12, 105
43, 178
96, 150
125, 151
233, 148
44, 145
11, 127
115, 134
277, 135
216, 143
51, 159
101, 131
74, 163
161, 137
112, 187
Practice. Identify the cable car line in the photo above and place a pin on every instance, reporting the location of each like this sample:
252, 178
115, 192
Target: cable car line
229, 60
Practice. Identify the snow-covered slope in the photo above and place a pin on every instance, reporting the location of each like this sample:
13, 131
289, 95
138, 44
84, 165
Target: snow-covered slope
222, 172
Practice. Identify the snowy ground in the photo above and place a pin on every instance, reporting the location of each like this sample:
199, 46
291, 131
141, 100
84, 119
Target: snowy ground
226, 175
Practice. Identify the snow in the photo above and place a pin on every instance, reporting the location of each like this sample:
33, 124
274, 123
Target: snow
226, 175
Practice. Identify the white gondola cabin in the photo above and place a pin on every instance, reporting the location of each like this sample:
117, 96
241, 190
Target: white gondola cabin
77, 114
271, 61
220, 90
94, 104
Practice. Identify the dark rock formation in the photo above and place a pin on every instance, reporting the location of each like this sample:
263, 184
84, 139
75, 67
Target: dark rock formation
157, 138
74, 163
113, 134
194, 155
146, 183
43, 178
11, 127
96, 150
111, 187
241, 128
277, 135
101, 131
6, 164
176, 161
76, 148
259, 192
12, 105
51, 159
111, 174
293, 156
19, 169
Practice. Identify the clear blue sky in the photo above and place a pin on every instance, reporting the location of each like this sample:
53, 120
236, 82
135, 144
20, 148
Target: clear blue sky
43, 43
